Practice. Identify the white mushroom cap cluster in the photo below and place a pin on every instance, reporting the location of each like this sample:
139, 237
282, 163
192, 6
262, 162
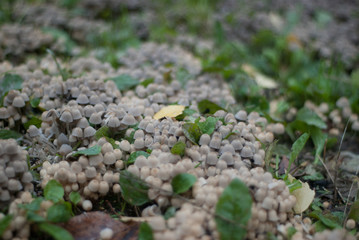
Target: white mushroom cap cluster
91, 176
271, 209
160, 56
334, 234
19, 227
16, 39
14, 173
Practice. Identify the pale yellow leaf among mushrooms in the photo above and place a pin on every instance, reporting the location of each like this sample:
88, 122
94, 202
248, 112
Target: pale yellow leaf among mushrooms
304, 196
169, 111
261, 79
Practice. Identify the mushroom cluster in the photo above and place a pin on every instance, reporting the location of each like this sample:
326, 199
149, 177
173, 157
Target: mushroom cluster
14, 172
91, 176
16, 39
19, 227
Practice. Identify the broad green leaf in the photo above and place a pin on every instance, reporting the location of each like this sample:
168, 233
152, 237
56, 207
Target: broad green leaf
33, 121
147, 82
133, 156
290, 232
206, 106
75, 197
186, 112
208, 126
354, 211
9, 82
134, 190
60, 212
183, 182
92, 151
124, 82
318, 138
7, 134
179, 148
4, 223
311, 118
192, 132
58, 233
145, 232
34, 102
182, 75
293, 185
233, 211
54, 191
297, 146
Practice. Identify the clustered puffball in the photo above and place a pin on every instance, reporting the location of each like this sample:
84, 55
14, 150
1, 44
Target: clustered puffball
14, 173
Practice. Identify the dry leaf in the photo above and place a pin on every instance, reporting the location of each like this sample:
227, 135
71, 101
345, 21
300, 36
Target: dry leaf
169, 111
262, 80
89, 225
304, 196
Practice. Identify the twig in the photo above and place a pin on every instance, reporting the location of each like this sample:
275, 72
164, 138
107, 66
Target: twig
348, 198
337, 163
331, 178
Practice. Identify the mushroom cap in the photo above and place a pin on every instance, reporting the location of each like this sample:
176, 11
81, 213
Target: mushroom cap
18, 102
89, 132
82, 99
66, 116
129, 120
33, 131
77, 132
65, 149
76, 114
82, 123
96, 118
113, 122
4, 114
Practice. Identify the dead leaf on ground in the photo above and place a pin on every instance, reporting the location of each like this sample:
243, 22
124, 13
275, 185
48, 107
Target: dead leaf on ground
304, 196
261, 79
89, 225
169, 111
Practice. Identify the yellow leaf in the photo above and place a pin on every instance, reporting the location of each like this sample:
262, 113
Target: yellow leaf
304, 196
261, 79
169, 111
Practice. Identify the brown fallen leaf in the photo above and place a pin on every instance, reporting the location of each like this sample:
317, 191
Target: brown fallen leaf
89, 225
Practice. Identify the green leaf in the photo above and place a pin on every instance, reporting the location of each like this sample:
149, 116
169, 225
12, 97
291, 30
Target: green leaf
145, 232
206, 106
179, 148
33, 121
208, 126
58, 233
60, 212
7, 134
311, 118
328, 220
319, 138
186, 112
134, 190
61, 35
147, 82
192, 132
9, 82
33, 217
4, 223
124, 82
103, 131
233, 211
92, 151
297, 146
170, 212
34, 102
54, 191
293, 185
182, 76
183, 182
354, 211
33, 206
133, 156
75, 197
290, 232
